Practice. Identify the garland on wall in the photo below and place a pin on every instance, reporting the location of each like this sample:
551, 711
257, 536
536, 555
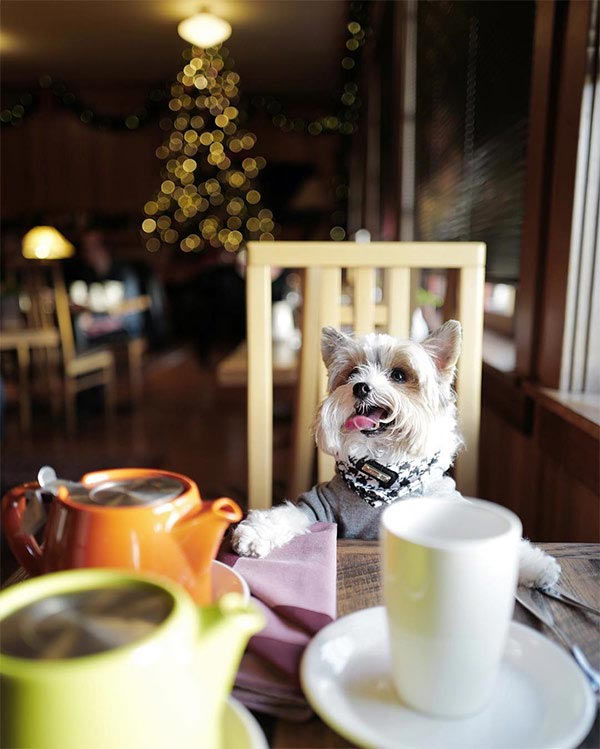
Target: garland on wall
28, 102
343, 119
345, 115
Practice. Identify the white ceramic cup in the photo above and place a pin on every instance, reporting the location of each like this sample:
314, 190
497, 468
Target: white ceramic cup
450, 572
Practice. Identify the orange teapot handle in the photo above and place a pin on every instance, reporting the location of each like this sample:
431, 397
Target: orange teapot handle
23, 545
227, 509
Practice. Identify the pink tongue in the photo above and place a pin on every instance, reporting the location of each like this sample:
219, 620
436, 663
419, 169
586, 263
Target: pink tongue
358, 422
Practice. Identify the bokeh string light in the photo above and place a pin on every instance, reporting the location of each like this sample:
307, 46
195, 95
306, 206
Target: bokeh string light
208, 196
344, 119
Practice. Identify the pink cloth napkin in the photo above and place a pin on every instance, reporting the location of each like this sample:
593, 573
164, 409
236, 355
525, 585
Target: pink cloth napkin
295, 587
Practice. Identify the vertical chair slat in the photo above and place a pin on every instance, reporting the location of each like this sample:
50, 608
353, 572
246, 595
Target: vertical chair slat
330, 314
397, 300
364, 300
260, 387
307, 395
470, 313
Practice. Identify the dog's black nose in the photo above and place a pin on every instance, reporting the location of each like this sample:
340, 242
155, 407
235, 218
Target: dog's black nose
361, 389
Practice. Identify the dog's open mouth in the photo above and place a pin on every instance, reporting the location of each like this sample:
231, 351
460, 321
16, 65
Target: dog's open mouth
369, 421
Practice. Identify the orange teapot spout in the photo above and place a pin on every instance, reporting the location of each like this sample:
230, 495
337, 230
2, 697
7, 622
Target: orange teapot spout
199, 536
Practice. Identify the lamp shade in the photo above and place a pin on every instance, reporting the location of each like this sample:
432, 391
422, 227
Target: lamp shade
46, 243
204, 30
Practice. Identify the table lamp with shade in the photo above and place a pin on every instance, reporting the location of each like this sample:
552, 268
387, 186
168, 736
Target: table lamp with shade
45, 243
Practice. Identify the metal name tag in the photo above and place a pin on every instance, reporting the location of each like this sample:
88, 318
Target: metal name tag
378, 472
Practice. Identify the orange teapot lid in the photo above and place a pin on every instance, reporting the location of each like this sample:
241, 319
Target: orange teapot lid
117, 487
141, 491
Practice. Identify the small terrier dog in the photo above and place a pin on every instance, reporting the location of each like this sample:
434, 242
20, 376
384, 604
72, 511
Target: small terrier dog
390, 422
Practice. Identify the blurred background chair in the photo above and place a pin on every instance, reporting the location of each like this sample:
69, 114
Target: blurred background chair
85, 370
80, 371
323, 263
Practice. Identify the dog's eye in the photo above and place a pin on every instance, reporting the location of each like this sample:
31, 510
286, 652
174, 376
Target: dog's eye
398, 375
353, 372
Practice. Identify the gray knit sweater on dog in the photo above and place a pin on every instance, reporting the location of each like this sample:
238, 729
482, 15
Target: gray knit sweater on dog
335, 502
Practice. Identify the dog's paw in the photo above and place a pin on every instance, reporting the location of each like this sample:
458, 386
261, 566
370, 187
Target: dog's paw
247, 541
537, 569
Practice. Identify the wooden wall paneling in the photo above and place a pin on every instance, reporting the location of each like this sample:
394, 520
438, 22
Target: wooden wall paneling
407, 26
372, 205
356, 192
538, 173
572, 78
33, 154
583, 522
54, 164
566, 507
501, 392
538, 476
567, 445
503, 445
390, 68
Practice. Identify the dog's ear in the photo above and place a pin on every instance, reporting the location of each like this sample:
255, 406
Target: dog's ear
443, 345
331, 340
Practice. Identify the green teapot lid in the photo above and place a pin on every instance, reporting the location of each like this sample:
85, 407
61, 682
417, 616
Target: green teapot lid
79, 623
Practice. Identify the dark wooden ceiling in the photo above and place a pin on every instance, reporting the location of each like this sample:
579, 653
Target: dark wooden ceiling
279, 45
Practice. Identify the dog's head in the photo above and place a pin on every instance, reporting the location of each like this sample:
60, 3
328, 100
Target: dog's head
389, 398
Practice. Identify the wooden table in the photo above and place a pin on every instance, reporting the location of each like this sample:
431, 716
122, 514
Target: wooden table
358, 588
233, 370
22, 340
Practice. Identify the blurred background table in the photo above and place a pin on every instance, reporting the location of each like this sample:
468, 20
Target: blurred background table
23, 340
233, 370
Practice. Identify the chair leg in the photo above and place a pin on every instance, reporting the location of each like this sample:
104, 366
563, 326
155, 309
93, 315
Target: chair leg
110, 392
24, 388
135, 353
54, 380
70, 403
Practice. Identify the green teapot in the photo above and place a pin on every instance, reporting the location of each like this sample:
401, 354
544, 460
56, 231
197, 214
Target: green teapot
104, 659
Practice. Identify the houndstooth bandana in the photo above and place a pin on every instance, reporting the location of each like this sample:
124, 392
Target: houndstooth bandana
378, 484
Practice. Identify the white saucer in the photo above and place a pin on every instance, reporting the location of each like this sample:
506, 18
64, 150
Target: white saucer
241, 729
224, 579
542, 698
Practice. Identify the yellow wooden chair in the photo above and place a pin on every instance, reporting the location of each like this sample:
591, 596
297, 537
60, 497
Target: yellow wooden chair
323, 263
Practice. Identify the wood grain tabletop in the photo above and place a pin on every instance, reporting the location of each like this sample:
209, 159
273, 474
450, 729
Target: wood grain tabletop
358, 588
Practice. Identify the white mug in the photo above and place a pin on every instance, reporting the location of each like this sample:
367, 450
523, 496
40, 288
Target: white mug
450, 571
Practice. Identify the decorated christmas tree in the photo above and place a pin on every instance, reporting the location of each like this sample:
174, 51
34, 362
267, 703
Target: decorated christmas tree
208, 196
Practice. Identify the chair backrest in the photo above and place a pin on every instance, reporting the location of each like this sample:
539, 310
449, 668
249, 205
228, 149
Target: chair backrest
323, 263
63, 313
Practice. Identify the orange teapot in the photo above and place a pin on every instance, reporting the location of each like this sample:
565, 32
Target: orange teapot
128, 518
